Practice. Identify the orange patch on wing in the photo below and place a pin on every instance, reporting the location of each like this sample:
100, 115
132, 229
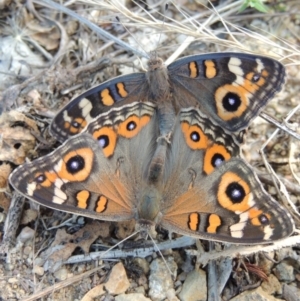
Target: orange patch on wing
194, 220
137, 122
214, 222
101, 204
67, 125
50, 178
193, 69
112, 139
87, 155
210, 69
82, 198
106, 98
187, 130
254, 216
210, 152
252, 86
121, 90
75, 130
225, 201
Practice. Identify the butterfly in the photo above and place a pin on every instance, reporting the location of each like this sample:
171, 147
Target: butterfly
194, 184
229, 88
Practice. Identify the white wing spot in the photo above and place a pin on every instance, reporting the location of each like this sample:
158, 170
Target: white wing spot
237, 229
268, 232
59, 196
260, 65
234, 66
67, 117
31, 188
86, 107
57, 167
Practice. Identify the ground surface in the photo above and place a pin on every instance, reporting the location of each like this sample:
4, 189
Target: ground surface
48, 57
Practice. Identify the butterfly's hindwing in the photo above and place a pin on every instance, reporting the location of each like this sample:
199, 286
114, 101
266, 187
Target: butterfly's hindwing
213, 194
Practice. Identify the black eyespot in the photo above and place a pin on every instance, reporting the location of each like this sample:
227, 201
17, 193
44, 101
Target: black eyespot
264, 219
131, 126
103, 141
217, 160
235, 192
75, 124
75, 164
195, 136
40, 179
256, 77
17, 145
231, 102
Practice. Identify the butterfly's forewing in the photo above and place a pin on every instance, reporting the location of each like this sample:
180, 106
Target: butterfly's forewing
213, 194
231, 88
74, 117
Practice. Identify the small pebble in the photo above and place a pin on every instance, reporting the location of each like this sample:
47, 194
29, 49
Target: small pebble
27, 250
38, 270
284, 272
61, 274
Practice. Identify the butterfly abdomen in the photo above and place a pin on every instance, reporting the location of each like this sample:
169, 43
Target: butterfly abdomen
148, 204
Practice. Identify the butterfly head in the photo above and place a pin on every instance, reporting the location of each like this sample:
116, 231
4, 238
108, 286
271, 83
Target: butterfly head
155, 63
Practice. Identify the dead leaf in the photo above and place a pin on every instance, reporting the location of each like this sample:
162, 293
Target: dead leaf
64, 244
5, 170
28, 216
124, 229
45, 34
16, 140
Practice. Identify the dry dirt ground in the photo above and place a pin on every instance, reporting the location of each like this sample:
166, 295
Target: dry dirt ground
48, 57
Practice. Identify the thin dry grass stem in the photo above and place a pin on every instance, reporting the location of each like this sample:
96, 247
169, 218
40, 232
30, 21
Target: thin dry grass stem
92, 26
264, 40
209, 14
197, 29
242, 250
292, 163
192, 35
281, 126
141, 251
224, 24
286, 199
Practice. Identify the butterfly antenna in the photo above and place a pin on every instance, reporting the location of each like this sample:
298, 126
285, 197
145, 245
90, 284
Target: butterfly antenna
120, 242
164, 20
130, 33
162, 256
